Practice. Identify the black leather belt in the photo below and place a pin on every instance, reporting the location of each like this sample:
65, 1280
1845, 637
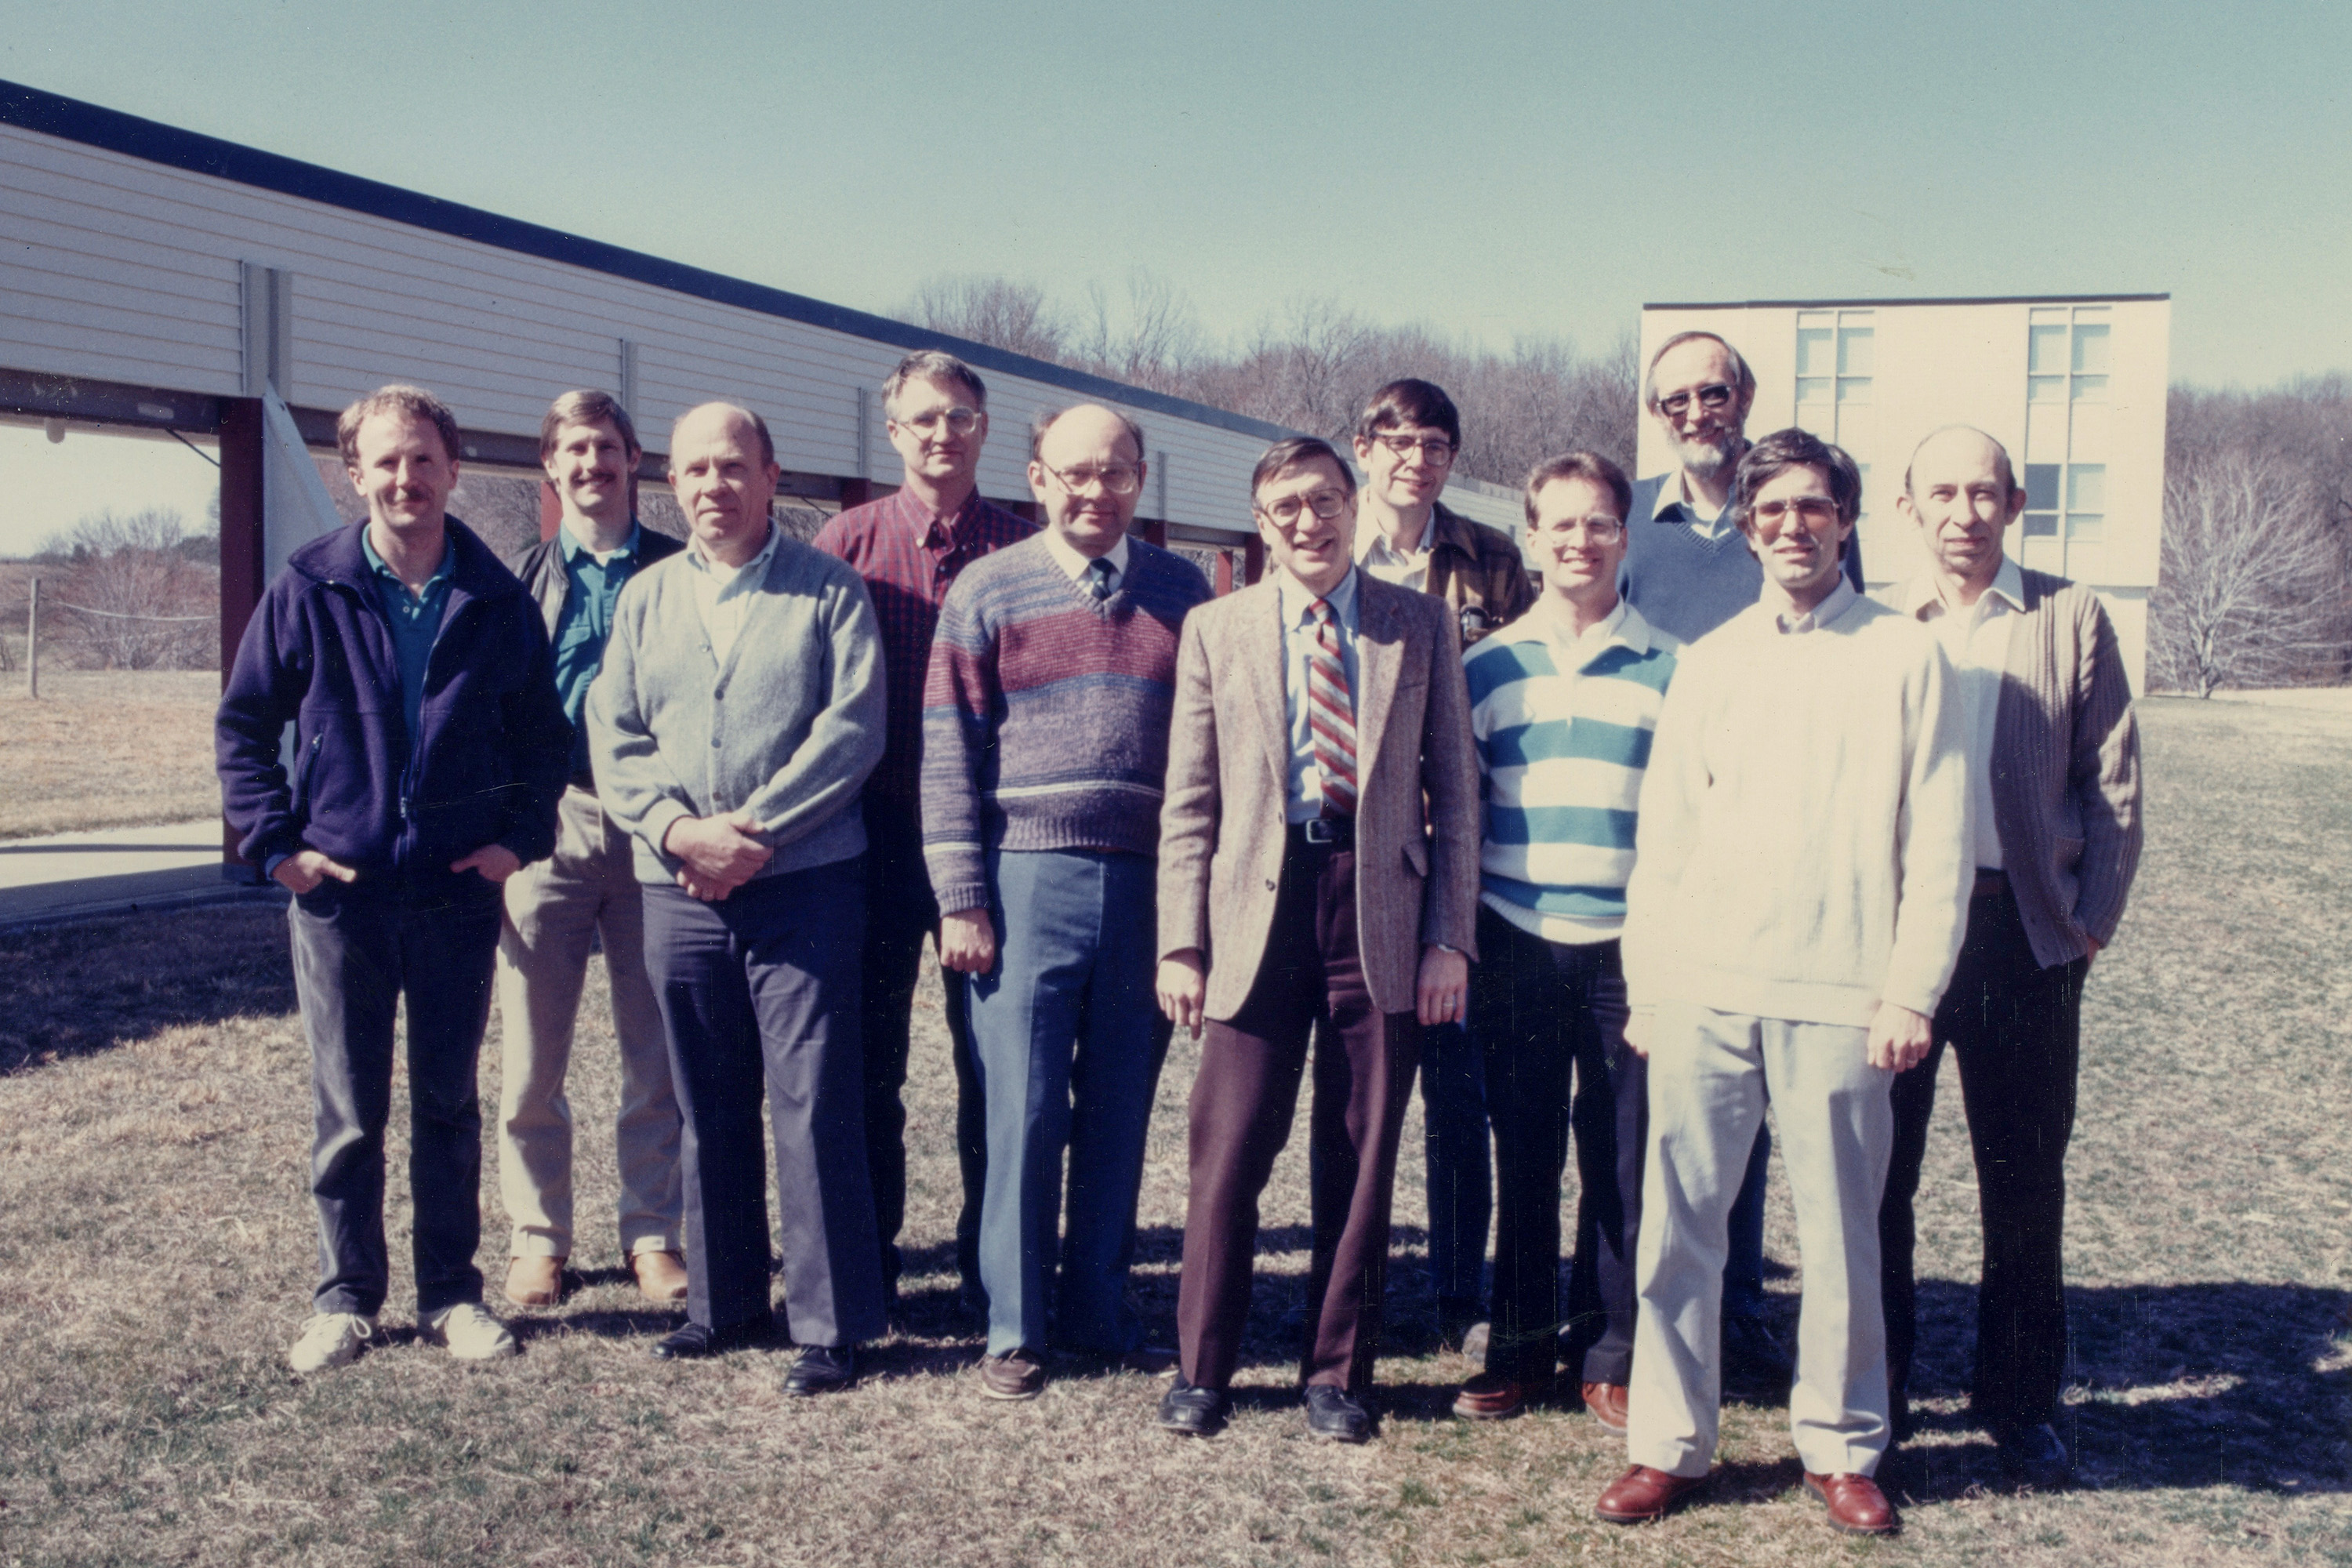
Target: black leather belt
1990, 884
1326, 832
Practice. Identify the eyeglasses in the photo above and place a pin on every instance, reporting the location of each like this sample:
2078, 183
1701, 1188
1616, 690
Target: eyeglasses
1436, 450
1599, 530
1814, 509
1118, 480
1715, 394
960, 420
1327, 505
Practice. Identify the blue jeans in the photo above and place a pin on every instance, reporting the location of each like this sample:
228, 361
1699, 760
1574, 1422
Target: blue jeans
1457, 1163
1069, 1041
359, 948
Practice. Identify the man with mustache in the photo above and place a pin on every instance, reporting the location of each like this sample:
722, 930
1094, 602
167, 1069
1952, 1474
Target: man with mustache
1800, 883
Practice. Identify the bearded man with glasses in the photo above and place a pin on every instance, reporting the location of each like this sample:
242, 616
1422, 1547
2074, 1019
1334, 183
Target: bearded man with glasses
909, 547
1802, 865
1045, 748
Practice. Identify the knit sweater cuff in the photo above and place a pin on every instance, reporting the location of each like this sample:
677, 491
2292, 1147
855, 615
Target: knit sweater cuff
958, 881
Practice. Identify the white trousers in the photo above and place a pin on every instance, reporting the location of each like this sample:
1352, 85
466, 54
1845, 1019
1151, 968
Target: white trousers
1708, 1075
554, 908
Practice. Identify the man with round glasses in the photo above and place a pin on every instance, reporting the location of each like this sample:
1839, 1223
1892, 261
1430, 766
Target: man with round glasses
1799, 885
909, 547
1045, 748
1688, 570
1406, 442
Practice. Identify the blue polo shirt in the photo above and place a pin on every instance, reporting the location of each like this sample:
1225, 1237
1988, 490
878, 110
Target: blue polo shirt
585, 623
416, 621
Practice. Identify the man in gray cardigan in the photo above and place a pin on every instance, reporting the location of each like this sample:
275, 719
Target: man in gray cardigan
738, 712
2053, 759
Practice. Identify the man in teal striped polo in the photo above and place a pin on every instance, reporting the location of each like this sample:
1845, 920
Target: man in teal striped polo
1562, 703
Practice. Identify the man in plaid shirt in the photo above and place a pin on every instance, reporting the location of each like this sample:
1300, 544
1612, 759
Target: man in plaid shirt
909, 547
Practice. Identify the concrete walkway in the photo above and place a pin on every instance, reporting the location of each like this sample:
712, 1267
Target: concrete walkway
118, 870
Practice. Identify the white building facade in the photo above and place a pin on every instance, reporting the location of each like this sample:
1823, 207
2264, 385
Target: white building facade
2073, 386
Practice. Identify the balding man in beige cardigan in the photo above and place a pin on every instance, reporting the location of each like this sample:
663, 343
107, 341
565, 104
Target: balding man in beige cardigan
2053, 760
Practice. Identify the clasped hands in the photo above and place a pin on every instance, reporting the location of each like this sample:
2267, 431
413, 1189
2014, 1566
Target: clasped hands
718, 853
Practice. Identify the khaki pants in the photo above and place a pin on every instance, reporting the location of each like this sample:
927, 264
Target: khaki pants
553, 910
1708, 1075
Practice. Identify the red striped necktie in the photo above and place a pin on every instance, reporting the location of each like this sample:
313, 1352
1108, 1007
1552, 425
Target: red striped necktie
1331, 715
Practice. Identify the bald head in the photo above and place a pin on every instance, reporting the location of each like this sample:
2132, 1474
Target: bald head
1086, 470
1962, 493
1965, 446
723, 467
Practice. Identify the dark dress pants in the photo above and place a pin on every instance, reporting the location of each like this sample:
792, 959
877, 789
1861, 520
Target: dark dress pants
359, 948
757, 996
1547, 1015
2016, 1029
1460, 1175
1244, 1097
898, 919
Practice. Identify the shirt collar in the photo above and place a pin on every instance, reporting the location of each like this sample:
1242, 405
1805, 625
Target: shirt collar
1296, 598
574, 550
1923, 594
952, 523
1840, 600
440, 573
1673, 497
1073, 564
1372, 545
710, 568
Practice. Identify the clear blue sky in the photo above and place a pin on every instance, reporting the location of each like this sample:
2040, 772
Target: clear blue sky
1488, 169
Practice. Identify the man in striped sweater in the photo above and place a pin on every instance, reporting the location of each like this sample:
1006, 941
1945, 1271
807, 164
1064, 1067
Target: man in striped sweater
1045, 751
1563, 701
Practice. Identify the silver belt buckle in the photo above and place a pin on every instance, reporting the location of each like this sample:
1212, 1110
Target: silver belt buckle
1322, 830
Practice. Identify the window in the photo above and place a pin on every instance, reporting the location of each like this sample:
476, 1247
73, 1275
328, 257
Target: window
1836, 361
2068, 352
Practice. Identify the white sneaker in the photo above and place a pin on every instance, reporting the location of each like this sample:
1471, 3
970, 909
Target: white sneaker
472, 1333
331, 1338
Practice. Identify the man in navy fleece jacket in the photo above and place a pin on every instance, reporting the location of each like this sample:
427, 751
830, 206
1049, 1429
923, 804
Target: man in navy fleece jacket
430, 750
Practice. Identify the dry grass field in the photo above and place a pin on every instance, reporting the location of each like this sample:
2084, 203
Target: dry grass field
107, 748
156, 1241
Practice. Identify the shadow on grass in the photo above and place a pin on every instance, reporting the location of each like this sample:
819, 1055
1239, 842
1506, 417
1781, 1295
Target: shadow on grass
76, 990
2171, 1387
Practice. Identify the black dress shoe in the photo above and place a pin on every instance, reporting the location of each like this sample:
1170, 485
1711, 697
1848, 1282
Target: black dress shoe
694, 1340
822, 1368
1753, 1356
1336, 1415
2034, 1456
1193, 1411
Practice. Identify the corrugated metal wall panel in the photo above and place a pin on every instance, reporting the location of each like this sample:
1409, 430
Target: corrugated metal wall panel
128, 270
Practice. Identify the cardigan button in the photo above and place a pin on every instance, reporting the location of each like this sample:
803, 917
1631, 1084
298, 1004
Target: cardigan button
1269, 887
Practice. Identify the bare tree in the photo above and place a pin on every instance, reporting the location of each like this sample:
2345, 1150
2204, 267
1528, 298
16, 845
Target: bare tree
2254, 588
130, 597
998, 311
1152, 344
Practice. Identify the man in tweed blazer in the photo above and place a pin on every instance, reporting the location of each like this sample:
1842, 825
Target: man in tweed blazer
1321, 731
2054, 763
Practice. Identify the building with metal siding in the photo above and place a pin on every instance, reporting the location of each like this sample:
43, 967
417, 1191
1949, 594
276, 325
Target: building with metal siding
2073, 386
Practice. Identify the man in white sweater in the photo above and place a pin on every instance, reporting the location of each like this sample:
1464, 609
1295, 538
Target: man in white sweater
1800, 889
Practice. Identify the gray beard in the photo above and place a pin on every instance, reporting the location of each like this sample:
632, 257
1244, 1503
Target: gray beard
1711, 462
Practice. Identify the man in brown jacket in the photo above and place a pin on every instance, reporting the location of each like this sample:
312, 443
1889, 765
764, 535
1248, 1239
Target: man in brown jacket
1406, 442
2053, 757
1321, 732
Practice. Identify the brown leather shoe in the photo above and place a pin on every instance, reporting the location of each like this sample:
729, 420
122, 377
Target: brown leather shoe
1607, 1403
1490, 1396
535, 1282
1642, 1494
661, 1276
1856, 1505
1015, 1375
